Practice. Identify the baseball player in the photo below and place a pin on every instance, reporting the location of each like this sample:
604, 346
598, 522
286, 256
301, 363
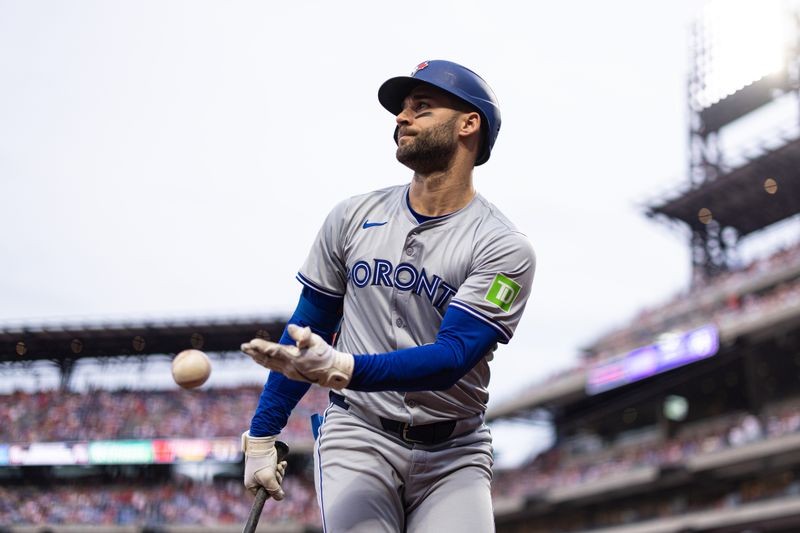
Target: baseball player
417, 283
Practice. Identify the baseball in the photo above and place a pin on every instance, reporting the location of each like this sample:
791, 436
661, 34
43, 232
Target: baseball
191, 368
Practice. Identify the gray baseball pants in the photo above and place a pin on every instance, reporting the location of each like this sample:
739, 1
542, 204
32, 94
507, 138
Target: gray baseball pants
370, 481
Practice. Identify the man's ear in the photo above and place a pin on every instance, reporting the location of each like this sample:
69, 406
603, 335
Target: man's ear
470, 123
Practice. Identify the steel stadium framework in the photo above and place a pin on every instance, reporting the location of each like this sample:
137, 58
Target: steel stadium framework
687, 419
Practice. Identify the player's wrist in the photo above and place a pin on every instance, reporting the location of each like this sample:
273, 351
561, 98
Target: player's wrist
257, 446
341, 372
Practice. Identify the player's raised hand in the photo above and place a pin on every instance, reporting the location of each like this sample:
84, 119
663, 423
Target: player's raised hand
274, 356
312, 359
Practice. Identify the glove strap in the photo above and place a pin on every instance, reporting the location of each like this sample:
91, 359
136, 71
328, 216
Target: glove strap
257, 446
340, 373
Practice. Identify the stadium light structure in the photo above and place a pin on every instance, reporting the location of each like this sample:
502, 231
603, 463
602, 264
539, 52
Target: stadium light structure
744, 72
739, 43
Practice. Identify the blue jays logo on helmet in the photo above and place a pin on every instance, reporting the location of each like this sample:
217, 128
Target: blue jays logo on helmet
457, 80
418, 68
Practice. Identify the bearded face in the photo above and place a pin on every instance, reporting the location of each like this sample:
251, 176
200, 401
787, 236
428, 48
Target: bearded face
430, 150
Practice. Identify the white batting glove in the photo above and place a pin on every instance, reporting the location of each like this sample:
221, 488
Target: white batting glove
312, 359
261, 466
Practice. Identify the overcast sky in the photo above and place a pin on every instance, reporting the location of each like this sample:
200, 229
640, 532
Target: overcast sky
164, 158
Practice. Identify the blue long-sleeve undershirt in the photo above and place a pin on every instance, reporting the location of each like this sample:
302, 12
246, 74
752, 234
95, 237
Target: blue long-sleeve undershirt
460, 343
280, 395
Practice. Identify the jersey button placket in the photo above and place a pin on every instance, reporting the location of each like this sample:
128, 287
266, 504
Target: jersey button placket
410, 243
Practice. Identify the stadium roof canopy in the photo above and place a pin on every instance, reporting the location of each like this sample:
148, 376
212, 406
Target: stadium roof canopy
745, 100
58, 341
739, 198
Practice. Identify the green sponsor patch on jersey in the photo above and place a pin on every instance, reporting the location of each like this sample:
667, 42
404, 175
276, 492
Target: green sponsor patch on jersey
503, 292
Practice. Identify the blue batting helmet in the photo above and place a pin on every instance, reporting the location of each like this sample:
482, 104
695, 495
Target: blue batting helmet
452, 78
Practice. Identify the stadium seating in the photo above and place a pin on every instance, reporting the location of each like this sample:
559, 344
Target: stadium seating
48, 416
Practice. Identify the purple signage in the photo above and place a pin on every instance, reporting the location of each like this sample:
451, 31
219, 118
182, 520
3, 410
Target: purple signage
671, 351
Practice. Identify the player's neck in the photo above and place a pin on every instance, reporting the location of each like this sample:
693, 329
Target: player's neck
440, 193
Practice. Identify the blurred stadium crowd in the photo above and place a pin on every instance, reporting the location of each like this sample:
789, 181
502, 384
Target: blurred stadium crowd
787, 484
561, 467
731, 296
48, 416
725, 299
585, 461
175, 503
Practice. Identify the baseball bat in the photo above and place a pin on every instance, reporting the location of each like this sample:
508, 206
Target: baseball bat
262, 495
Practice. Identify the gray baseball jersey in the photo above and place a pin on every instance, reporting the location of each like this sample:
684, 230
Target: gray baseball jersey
398, 277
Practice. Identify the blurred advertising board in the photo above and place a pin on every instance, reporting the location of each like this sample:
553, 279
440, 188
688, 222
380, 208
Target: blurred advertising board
197, 450
116, 452
48, 453
671, 351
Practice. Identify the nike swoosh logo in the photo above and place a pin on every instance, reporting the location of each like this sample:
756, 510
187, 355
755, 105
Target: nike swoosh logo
368, 224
